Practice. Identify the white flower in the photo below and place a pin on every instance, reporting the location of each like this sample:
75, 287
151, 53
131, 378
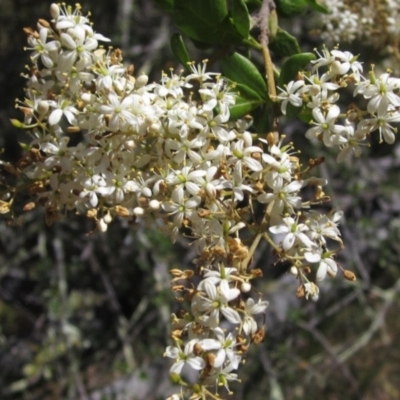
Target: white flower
199, 72
222, 375
237, 183
324, 59
184, 121
353, 141
76, 48
251, 308
184, 357
215, 301
284, 195
322, 226
381, 94
328, 266
117, 185
325, 126
119, 110
383, 122
90, 189
60, 108
181, 207
312, 291
215, 277
291, 94
347, 61
294, 232
60, 154
187, 179
214, 94
242, 152
227, 352
46, 51
321, 85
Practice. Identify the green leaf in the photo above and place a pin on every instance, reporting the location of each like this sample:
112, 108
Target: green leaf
179, 49
262, 122
306, 114
166, 5
289, 7
284, 44
240, 17
242, 107
317, 7
244, 91
292, 66
293, 111
206, 21
241, 70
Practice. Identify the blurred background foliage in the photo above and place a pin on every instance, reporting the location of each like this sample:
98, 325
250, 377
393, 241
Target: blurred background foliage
86, 315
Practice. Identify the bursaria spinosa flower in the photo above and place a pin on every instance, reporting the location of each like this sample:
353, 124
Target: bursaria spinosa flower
291, 94
171, 154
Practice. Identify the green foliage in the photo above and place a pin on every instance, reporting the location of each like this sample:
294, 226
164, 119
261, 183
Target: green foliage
207, 21
241, 17
243, 106
248, 82
292, 66
284, 44
166, 5
241, 70
179, 49
289, 7
317, 7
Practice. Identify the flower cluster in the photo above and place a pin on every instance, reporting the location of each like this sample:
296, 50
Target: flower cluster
348, 130
371, 20
106, 144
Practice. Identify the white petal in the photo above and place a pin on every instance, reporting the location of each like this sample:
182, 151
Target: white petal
55, 116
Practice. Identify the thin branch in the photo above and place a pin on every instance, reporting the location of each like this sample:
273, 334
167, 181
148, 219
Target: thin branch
376, 324
330, 350
263, 21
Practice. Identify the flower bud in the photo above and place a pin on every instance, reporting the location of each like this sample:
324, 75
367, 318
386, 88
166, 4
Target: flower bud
273, 138
88, 97
315, 90
350, 276
138, 211
118, 195
248, 140
108, 218
338, 68
141, 81
101, 225
245, 287
210, 190
29, 206
130, 144
293, 270
154, 205
54, 11
43, 107
122, 211
154, 128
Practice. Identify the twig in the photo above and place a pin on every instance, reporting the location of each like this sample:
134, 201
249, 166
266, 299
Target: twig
377, 323
263, 20
123, 323
330, 350
65, 313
